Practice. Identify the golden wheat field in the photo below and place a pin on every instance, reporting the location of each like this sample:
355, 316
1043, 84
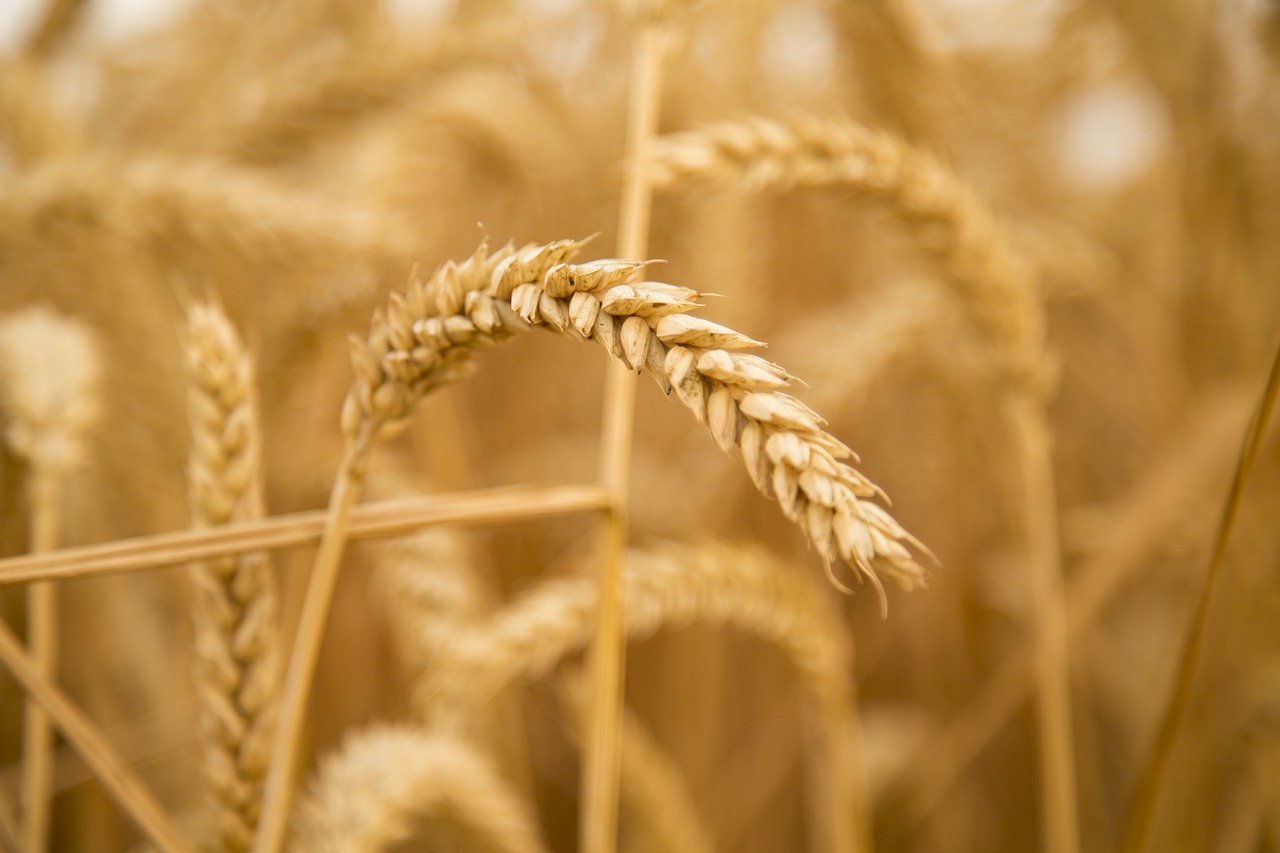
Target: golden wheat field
472, 426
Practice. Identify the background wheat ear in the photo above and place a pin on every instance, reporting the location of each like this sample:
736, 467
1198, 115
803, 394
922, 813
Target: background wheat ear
237, 634
49, 372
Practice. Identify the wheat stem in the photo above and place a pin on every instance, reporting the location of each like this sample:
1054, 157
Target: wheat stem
42, 639
1145, 517
606, 662
285, 748
1147, 797
96, 751
380, 519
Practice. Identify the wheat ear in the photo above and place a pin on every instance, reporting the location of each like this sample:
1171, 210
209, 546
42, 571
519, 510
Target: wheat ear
427, 335
672, 586
49, 367
235, 597
366, 797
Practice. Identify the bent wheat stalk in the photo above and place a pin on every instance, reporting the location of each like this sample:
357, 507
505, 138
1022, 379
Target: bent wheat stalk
367, 796
49, 368
235, 596
427, 336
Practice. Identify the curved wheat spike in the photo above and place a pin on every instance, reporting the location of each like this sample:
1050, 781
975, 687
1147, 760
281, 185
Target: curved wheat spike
427, 336
368, 795
49, 372
237, 635
669, 587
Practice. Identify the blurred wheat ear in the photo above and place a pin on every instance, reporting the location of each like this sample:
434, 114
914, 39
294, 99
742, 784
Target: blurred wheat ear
49, 370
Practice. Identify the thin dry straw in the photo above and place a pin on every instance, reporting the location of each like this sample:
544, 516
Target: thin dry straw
49, 369
1147, 797
1000, 293
652, 790
109, 769
598, 818
369, 795
1143, 520
500, 505
237, 635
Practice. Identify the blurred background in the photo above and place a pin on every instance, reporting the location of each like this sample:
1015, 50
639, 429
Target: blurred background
298, 158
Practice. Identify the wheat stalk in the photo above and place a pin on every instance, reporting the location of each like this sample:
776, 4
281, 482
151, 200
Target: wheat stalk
652, 787
367, 796
237, 638
652, 34
49, 368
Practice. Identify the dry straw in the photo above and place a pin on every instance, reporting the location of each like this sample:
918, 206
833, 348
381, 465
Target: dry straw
49, 368
237, 635
654, 793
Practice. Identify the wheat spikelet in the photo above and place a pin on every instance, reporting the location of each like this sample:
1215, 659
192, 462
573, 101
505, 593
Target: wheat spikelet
426, 337
235, 597
949, 220
49, 368
367, 796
